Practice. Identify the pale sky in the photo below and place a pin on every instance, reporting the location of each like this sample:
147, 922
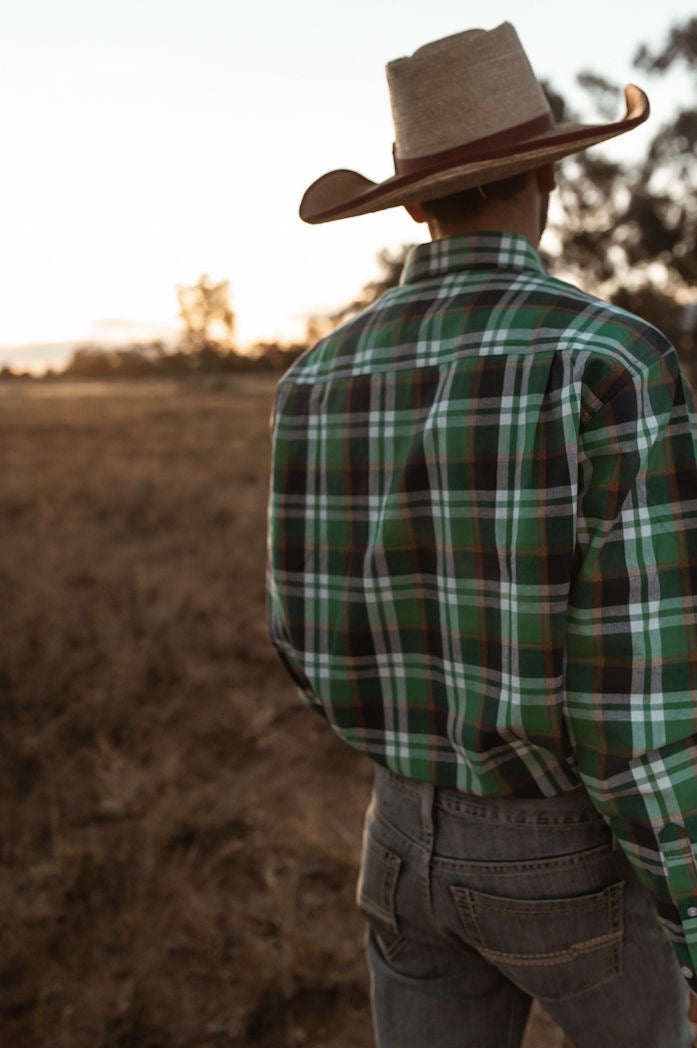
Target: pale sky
149, 141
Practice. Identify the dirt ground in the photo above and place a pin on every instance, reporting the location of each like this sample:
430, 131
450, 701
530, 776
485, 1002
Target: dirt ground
179, 835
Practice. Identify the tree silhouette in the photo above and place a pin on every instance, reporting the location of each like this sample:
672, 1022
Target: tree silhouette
206, 312
636, 224
391, 264
681, 46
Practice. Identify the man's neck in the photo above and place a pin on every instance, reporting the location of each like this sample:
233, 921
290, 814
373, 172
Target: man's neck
525, 214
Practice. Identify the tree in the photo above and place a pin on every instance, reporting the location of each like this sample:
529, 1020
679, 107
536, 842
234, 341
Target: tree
674, 151
390, 264
629, 231
206, 312
636, 224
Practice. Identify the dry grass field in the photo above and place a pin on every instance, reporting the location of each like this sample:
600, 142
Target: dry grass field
179, 835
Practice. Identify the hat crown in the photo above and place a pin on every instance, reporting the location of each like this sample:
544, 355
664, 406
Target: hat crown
460, 89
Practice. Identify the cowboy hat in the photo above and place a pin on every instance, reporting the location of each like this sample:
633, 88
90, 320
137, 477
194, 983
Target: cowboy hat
467, 110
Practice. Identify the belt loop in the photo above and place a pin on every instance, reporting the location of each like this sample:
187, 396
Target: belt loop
427, 798
428, 793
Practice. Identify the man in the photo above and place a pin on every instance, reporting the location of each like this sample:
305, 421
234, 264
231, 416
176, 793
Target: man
483, 568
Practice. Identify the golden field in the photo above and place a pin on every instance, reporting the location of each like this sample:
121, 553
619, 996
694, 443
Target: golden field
180, 836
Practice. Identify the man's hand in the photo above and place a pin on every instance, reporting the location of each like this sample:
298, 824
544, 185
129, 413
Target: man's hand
692, 1009
692, 1015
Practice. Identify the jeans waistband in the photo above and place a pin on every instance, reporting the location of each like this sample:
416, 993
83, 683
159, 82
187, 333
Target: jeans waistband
570, 807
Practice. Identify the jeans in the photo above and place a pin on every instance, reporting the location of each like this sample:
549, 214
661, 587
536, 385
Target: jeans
475, 906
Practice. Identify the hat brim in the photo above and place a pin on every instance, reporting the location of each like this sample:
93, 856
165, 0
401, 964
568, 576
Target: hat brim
345, 194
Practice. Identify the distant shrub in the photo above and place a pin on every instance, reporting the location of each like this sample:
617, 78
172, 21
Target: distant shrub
153, 359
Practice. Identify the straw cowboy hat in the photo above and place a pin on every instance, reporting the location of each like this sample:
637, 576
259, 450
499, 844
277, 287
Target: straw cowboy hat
467, 110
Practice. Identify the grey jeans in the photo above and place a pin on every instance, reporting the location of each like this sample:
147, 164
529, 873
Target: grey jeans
475, 906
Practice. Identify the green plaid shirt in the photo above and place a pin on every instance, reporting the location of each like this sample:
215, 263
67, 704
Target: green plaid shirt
483, 548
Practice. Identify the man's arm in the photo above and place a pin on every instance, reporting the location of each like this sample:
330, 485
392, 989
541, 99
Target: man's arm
632, 636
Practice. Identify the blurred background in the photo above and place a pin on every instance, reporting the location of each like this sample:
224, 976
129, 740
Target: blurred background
148, 142
179, 836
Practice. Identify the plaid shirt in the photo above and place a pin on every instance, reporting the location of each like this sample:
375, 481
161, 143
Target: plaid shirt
483, 548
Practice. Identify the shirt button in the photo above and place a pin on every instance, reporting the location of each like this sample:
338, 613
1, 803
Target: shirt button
692, 911
687, 972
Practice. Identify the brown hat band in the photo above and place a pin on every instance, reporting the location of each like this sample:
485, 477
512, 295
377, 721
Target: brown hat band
461, 154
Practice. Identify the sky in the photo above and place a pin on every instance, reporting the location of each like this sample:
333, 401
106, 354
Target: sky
149, 141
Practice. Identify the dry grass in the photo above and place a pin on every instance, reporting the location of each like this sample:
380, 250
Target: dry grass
179, 835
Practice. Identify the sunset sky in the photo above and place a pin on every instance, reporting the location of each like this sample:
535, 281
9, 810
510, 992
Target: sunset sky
149, 141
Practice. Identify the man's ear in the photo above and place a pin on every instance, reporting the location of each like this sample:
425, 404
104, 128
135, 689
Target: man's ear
416, 212
546, 178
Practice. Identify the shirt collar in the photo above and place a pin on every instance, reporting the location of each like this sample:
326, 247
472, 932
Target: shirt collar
506, 251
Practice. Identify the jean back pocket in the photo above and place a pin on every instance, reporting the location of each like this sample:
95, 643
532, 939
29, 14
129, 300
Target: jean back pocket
550, 948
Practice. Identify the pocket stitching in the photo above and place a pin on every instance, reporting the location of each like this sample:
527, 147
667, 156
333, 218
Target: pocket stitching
610, 944
381, 909
566, 956
550, 905
513, 867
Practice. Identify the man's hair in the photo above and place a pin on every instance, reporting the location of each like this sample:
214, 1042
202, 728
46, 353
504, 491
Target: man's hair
473, 201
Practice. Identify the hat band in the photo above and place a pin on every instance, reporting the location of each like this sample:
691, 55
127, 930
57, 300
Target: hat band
468, 153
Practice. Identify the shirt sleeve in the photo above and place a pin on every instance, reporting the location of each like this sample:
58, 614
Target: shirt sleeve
631, 672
